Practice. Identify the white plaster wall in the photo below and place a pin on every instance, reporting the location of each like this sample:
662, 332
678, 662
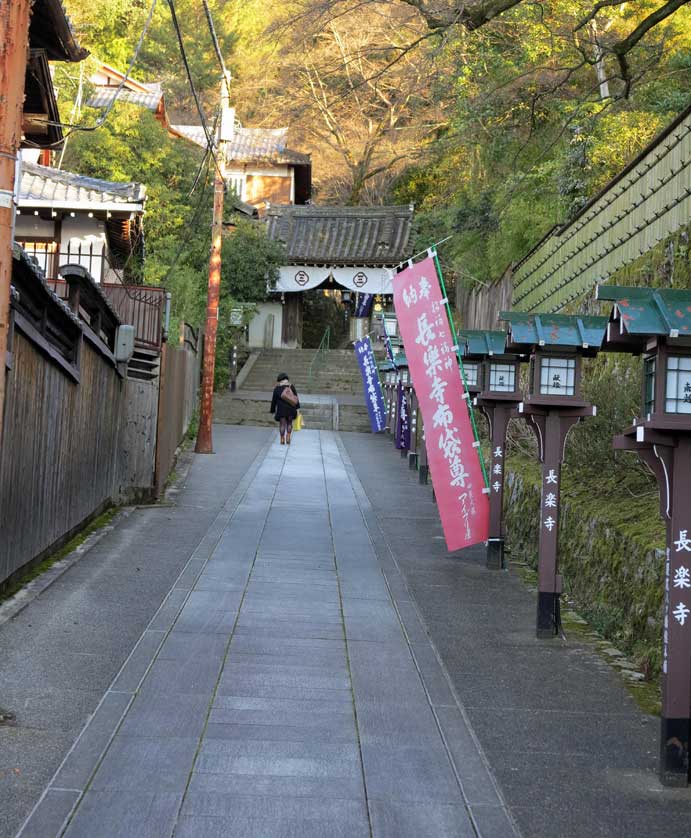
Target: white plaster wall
256, 327
90, 233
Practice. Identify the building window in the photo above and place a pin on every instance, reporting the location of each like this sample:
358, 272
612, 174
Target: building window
678, 395
557, 376
649, 372
502, 378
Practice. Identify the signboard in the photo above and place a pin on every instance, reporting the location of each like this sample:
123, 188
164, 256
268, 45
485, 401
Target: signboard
370, 379
454, 462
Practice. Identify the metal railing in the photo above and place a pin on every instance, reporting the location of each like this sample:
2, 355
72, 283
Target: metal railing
319, 356
141, 306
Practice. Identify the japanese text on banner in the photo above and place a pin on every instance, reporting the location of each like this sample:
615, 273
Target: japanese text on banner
374, 397
452, 455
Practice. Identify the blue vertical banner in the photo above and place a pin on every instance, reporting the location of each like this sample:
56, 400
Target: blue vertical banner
374, 397
363, 304
402, 437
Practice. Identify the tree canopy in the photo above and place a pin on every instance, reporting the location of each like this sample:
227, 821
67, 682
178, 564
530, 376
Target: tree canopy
497, 118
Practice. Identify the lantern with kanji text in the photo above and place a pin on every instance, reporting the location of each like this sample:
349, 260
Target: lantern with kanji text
656, 323
497, 394
556, 344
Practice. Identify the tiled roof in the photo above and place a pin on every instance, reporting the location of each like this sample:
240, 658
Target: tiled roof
250, 145
103, 97
649, 311
316, 235
51, 30
526, 330
483, 343
45, 186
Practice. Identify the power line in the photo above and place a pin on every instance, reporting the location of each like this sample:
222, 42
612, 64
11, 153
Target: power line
191, 227
101, 120
217, 46
195, 96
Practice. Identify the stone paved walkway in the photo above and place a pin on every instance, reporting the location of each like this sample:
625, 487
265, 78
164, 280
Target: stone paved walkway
285, 687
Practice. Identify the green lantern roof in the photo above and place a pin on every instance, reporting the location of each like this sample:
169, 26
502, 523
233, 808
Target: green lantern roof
563, 330
482, 343
648, 311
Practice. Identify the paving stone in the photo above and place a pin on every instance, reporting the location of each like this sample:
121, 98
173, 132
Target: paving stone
166, 715
284, 759
84, 756
124, 814
279, 786
409, 774
213, 815
209, 611
140, 659
50, 814
397, 819
151, 765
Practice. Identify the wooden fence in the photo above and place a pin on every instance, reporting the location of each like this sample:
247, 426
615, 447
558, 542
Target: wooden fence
78, 435
176, 405
59, 458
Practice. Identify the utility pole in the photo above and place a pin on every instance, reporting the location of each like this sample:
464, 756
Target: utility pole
204, 438
14, 50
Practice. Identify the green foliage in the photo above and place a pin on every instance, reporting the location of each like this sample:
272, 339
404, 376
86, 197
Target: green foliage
320, 311
250, 262
135, 147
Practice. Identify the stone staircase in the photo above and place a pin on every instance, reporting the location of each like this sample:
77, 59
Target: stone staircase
336, 372
332, 400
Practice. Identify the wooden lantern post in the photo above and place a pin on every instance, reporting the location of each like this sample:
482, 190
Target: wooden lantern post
493, 378
556, 344
657, 324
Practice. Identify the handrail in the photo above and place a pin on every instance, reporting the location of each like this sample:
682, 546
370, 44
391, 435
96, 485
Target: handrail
319, 355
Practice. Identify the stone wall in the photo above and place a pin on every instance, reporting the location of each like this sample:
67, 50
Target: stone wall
614, 581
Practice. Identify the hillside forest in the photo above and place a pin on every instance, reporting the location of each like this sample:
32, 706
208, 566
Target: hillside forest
497, 118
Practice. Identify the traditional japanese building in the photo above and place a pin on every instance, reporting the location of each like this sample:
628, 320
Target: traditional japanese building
345, 250
260, 167
66, 218
107, 81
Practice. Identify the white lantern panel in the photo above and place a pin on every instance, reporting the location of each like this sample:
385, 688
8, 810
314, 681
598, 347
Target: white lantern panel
650, 368
678, 392
502, 378
470, 371
557, 376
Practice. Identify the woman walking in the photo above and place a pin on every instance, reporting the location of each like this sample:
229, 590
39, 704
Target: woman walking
285, 405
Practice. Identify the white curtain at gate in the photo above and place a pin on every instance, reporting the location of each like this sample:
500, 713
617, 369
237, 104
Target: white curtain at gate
304, 277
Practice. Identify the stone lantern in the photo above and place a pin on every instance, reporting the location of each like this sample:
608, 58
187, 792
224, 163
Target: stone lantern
496, 388
556, 344
656, 324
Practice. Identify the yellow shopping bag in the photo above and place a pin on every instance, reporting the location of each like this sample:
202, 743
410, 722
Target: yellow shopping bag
297, 422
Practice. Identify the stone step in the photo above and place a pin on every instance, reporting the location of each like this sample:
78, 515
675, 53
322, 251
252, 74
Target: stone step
235, 410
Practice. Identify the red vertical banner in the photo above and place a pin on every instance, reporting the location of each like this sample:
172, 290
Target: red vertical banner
454, 459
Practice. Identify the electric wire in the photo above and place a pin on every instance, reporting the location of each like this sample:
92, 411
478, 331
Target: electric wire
104, 116
217, 46
183, 54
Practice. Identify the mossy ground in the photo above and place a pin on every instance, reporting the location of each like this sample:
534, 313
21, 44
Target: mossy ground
35, 571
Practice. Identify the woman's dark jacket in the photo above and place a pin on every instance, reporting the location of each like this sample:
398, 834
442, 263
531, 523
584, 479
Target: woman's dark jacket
280, 408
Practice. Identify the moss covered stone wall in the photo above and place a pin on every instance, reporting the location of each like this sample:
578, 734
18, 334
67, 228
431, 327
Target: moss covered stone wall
613, 577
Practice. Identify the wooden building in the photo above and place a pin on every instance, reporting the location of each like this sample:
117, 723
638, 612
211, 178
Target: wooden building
66, 218
260, 167
349, 250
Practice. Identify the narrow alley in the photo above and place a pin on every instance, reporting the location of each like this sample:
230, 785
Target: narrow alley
284, 648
